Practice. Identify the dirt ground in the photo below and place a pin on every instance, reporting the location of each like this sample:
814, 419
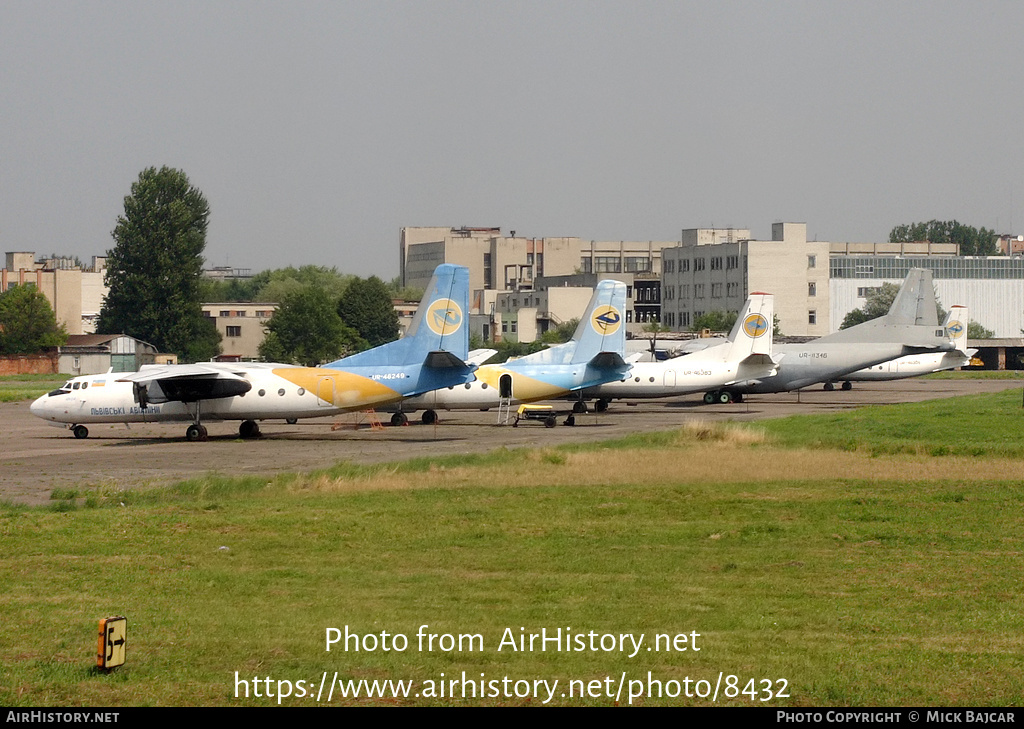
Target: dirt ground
36, 458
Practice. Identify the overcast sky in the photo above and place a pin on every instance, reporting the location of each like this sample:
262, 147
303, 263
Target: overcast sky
317, 130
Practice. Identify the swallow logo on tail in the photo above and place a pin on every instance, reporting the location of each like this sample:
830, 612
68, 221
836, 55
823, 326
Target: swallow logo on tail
606, 320
755, 325
444, 317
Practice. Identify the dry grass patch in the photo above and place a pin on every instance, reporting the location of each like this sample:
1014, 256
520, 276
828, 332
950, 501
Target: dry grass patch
702, 453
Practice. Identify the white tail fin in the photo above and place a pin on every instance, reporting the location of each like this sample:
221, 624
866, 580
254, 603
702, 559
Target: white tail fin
752, 333
956, 326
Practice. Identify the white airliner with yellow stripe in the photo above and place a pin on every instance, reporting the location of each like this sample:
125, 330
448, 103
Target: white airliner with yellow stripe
593, 356
431, 355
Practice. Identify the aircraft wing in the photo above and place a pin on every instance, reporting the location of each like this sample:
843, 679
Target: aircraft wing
186, 383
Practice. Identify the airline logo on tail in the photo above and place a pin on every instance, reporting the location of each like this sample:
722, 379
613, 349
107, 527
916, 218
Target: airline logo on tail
444, 317
955, 328
755, 325
606, 320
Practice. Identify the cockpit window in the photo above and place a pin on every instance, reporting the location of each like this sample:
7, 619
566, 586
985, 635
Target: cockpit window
76, 385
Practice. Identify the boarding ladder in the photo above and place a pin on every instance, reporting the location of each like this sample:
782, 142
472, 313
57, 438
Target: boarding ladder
506, 414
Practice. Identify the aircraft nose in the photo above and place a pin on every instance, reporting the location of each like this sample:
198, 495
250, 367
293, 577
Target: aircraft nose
38, 407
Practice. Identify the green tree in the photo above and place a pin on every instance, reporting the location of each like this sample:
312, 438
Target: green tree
977, 331
27, 322
366, 306
716, 321
972, 241
275, 284
154, 269
306, 329
561, 333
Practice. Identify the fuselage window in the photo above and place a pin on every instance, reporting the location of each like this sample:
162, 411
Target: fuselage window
261, 393
281, 392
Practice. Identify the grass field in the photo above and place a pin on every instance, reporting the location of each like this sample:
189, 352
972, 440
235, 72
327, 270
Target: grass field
871, 558
15, 388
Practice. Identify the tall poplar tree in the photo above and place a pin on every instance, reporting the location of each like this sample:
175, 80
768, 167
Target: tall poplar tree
153, 271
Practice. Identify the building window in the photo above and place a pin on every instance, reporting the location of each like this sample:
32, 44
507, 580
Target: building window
716, 291
698, 264
608, 264
638, 264
812, 261
732, 262
234, 331
812, 317
225, 313
812, 289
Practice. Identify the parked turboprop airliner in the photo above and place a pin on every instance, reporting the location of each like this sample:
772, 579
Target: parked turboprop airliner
431, 355
915, 365
593, 356
910, 328
744, 359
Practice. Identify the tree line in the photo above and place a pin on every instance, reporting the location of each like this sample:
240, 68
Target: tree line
155, 286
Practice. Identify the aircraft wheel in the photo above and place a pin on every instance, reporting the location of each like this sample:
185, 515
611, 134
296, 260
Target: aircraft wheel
399, 419
710, 397
571, 420
429, 417
601, 405
847, 385
828, 387
195, 432
291, 421
248, 429
579, 407
80, 432
725, 397
550, 421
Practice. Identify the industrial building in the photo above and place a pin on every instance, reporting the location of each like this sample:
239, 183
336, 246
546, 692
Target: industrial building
505, 271
75, 294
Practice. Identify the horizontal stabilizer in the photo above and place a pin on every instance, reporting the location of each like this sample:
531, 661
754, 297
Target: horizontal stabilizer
608, 361
479, 356
439, 359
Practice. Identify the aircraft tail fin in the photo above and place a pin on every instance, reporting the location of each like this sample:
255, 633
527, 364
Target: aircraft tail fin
439, 328
956, 325
602, 329
752, 332
915, 302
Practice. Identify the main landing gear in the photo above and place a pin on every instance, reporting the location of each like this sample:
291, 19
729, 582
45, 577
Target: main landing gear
722, 397
195, 432
80, 431
829, 387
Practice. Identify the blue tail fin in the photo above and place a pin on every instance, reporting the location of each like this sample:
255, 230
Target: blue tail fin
439, 333
603, 327
600, 337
